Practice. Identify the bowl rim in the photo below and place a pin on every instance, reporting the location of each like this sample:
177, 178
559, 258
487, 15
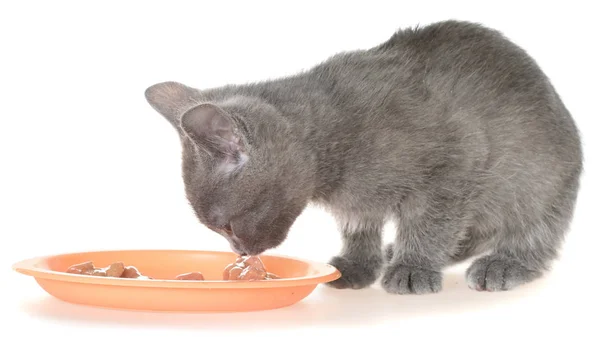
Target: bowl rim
325, 272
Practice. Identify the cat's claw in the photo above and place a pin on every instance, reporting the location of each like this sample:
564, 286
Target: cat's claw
355, 274
403, 279
498, 273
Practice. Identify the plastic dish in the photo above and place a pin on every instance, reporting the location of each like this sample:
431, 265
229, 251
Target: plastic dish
298, 279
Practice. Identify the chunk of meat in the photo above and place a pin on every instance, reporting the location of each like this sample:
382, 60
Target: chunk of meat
117, 269
193, 276
85, 268
114, 270
132, 272
247, 268
271, 276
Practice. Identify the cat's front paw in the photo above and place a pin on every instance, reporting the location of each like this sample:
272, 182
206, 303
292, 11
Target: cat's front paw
498, 273
356, 274
403, 279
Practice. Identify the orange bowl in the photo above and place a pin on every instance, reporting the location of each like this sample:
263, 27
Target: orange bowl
298, 278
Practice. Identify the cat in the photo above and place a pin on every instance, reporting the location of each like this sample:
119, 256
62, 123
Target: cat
449, 130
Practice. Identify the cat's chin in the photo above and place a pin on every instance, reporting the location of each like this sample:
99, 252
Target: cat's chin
237, 250
244, 252
235, 245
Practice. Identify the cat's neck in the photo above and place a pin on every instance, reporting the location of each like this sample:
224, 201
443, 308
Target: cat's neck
304, 102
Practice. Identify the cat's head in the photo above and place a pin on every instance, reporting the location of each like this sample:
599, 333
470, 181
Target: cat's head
245, 174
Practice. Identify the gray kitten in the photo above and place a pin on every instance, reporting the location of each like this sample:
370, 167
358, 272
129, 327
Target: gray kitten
450, 131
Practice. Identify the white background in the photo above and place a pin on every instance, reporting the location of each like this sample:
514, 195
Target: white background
88, 165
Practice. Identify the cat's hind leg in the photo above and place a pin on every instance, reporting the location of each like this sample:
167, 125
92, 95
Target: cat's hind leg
501, 271
525, 250
361, 258
519, 257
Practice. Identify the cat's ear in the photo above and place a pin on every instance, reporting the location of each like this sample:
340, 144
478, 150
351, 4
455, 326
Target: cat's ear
172, 99
216, 132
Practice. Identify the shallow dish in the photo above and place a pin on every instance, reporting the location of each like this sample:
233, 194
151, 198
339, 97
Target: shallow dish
163, 293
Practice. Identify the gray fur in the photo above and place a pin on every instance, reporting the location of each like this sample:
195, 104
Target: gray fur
450, 131
496, 272
360, 260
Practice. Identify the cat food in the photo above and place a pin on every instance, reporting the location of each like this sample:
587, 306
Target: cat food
247, 268
85, 268
194, 276
132, 272
117, 269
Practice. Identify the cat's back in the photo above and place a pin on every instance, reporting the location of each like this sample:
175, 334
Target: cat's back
457, 57
448, 72
444, 36
449, 86
465, 55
